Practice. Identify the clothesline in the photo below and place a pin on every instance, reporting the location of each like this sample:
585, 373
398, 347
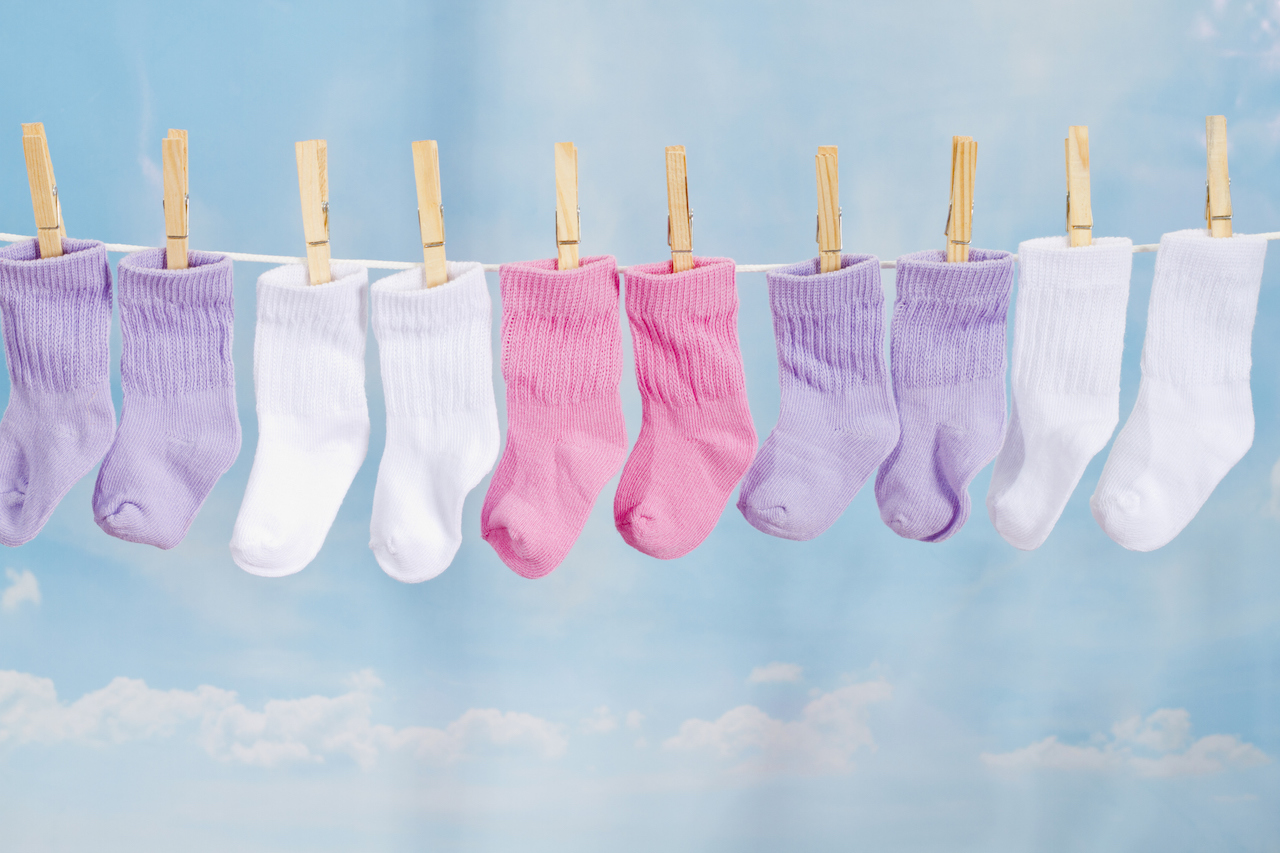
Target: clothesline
406, 265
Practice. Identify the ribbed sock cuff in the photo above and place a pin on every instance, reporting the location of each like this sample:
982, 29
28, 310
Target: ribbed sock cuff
176, 324
709, 288
985, 277
538, 287
57, 314
802, 289
1051, 263
403, 303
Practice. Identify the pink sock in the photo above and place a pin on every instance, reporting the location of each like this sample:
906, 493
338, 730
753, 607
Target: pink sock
696, 439
562, 361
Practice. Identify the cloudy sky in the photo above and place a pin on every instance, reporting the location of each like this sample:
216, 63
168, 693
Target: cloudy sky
856, 691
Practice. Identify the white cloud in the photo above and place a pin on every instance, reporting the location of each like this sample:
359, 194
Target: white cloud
22, 587
601, 721
772, 672
310, 729
830, 729
634, 719
1158, 746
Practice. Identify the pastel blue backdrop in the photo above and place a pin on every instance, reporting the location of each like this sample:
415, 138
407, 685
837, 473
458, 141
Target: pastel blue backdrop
854, 692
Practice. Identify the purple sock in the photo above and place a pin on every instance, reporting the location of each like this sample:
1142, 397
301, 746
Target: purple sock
179, 431
838, 419
59, 422
947, 353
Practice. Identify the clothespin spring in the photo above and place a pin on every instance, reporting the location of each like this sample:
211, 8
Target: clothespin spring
560, 242
946, 229
1089, 227
817, 230
1206, 203
680, 251
433, 245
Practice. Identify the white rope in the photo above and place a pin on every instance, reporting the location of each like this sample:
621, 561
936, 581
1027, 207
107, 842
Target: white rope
407, 265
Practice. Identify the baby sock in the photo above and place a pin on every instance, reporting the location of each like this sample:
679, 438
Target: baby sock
946, 350
838, 420
562, 362
179, 431
696, 436
1067, 341
313, 420
1194, 417
442, 423
60, 419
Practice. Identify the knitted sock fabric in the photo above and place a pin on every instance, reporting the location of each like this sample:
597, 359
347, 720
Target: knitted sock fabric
696, 436
313, 420
60, 419
442, 423
838, 420
1194, 417
947, 344
562, 362
1067, 342
179, 431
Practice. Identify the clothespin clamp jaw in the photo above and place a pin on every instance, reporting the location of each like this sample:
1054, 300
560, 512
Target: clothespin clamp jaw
45, 204
679, 216
313, 189
568, 213
177, 199
426, 173
830, 215
964, 166
1079, 203
1217, 188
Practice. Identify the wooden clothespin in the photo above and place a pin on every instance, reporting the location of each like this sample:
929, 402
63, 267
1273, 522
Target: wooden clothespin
829, 214
426, 174
176, 199
964, 167
1079, 206
679, 218
1217, 196
313, 187
44, 190
568, 215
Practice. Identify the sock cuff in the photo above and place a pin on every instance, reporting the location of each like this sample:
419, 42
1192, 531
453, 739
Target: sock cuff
434, 343
985, 278
1204, 300
207, 280
176, 325
949, 319
403, 303
561, 337
539, 287
802, 289
653, 290
1052, 263
1069, 327
56, 314
310, 341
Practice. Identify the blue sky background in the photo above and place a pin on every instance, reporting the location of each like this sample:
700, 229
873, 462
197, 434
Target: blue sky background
858, 691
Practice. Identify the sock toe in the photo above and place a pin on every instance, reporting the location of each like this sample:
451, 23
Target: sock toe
518, 552
778, 519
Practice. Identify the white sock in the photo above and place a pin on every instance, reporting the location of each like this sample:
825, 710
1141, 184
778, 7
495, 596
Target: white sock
1194, 417
313, 420
1067, 341
442, 423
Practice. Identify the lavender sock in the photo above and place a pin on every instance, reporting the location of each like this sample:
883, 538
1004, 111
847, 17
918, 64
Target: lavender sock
59, 421
838, 419
179, 431
948, 358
